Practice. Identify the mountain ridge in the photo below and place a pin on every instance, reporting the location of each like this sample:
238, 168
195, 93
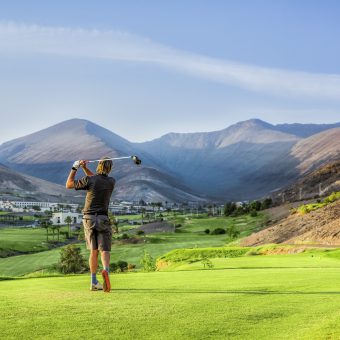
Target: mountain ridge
246, 160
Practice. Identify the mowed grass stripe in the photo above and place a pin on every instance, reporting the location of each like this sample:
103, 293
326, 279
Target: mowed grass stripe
291, 303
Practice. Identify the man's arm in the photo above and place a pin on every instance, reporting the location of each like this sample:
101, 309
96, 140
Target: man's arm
72, 174
87, 171
70, 178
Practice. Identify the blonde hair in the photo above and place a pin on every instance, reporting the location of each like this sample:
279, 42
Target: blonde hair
104, 167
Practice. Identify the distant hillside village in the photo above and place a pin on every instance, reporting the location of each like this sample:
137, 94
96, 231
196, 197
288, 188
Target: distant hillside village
59, 211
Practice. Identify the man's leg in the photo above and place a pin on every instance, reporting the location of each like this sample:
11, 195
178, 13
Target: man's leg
93, 261
105, 256
92, 246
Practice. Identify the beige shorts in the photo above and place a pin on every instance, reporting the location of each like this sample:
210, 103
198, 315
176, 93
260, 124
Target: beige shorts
98, 232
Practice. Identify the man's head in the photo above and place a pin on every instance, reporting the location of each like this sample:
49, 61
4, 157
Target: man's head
104, 167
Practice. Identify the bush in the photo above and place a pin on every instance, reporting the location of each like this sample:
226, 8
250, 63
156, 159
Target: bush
140, 232
207, 231
71, 260
113, 267
125, 237
131, 266
148, 263
218, 231
207, 263
253, 213
232, 232
122, 265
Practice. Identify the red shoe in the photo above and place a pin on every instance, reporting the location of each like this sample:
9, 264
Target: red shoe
106, 281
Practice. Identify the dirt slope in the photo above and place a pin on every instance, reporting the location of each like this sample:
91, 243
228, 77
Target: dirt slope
320, 227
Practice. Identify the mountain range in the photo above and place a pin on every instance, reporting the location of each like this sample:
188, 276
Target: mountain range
247, 160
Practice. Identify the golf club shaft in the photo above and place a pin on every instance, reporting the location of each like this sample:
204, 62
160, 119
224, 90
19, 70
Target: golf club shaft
108, 159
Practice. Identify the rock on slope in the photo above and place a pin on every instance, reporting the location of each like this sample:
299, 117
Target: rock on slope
320, 227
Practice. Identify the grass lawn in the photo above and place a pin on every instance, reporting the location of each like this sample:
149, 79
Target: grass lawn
23, 239
191, 235
272, 300
26, 239
304, 260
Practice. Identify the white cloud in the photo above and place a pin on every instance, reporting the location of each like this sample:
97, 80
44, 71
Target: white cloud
121, 46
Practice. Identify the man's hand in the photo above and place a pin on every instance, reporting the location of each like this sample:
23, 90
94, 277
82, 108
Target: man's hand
76, 165
83, 163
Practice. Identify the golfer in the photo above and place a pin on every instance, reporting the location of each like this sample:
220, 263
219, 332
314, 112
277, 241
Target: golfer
97, 226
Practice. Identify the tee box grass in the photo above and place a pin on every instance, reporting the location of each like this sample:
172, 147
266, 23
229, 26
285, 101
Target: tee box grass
262, 302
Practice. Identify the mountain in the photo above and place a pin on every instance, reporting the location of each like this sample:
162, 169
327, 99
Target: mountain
16, 186
305, 130
247, 160
151, 185
49, 154
234, 163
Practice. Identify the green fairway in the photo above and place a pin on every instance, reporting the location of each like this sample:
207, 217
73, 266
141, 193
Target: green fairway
23, 239
268, 301
190, 235
25, 264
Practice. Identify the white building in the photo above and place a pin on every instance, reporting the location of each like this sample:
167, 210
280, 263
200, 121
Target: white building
59, 218
43, 205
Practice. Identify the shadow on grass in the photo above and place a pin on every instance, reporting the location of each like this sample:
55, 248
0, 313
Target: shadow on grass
192, 291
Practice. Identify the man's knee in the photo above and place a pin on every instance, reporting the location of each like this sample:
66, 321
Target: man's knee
94, 252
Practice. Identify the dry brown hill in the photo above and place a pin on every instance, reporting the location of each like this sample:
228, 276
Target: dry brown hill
319, 227
317, 150
320, 182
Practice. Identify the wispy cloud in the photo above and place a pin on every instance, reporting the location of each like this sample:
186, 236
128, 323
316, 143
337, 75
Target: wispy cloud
122, 46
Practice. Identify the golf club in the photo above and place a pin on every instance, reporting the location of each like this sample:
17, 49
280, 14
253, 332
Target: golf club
135, 159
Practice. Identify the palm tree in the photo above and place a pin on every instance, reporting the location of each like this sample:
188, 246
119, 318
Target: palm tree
143, 213
68, 221
45, 225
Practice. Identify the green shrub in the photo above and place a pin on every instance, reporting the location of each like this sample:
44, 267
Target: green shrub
218, 231
122, 265
131, 266
207, 263
207, 231
113, 267
232, 232
71, 260
140, 232
125, 237
148, 263
253, 213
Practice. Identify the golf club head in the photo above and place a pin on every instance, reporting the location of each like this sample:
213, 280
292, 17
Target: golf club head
136, 160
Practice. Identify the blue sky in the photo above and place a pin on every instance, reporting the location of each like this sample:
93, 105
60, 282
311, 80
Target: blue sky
145, 68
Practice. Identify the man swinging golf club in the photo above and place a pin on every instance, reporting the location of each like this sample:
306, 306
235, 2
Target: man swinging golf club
97, 226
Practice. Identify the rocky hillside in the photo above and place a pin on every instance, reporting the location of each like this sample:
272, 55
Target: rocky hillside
319, 227
317, 150
320, 182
